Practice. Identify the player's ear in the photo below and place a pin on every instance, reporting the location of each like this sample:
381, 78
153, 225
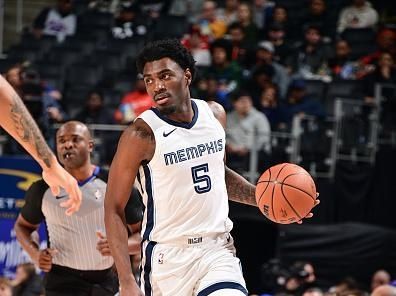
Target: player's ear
188, 76
91, 145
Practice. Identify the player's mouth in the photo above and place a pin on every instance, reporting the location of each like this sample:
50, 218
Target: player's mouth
162, 99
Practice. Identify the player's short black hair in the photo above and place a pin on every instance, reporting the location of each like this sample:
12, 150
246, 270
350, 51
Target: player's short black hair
166, 48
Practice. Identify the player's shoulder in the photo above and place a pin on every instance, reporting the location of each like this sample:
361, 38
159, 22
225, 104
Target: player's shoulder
139, 129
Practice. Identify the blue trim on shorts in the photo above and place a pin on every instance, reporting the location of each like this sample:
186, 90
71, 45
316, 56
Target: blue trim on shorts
150, 203
223, 285
147, 268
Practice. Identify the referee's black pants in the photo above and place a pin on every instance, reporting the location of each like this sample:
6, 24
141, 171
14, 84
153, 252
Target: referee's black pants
65, 281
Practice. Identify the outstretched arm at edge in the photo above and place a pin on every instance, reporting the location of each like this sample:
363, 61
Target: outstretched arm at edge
18, 122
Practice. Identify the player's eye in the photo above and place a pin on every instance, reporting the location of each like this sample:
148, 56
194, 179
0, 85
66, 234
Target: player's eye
165, 76
148, 81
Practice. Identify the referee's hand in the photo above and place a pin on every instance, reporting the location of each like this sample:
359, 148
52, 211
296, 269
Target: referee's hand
102, 245
45, 259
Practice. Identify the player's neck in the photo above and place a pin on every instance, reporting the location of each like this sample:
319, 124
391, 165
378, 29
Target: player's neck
184, 113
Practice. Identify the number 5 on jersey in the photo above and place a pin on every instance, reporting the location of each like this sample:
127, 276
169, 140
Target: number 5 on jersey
201, 180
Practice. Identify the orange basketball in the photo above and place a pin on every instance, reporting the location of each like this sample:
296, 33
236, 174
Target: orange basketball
285, 193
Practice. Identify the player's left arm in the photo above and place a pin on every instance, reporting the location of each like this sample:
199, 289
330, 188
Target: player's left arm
238, 188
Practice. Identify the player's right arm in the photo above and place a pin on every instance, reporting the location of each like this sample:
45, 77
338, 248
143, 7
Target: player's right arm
136, 145
18, 122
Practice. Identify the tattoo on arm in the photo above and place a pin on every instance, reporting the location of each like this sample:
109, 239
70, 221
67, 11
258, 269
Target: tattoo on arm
239, 189
28, 131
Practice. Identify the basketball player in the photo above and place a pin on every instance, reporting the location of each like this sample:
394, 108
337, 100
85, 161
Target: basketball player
176, 152
74, 260
18, 122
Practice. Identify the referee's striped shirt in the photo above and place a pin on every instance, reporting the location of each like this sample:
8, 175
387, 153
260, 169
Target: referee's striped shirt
74, 237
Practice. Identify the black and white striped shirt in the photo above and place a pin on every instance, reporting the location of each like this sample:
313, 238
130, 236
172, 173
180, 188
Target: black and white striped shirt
75, 236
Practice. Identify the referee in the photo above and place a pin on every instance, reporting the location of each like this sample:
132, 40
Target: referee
73, 262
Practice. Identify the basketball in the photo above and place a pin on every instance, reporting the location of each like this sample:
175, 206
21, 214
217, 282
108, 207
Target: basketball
285, 193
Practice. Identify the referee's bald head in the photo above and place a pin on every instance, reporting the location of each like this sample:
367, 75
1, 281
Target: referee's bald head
75, 125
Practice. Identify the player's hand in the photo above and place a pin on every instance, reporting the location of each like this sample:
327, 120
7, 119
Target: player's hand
44, 260
130, 288
56, 177
310, 215
102, 245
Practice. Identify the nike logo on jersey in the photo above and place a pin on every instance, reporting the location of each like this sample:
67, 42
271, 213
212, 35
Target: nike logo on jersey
167, 134
61, 196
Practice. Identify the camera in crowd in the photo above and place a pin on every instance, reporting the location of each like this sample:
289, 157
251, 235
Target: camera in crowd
278, 277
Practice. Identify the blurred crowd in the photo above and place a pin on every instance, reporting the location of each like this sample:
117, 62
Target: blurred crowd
258, 59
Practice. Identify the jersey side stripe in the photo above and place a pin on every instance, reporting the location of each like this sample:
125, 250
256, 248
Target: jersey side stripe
150, 203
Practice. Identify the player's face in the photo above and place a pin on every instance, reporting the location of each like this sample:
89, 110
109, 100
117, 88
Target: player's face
167, 83
73, 145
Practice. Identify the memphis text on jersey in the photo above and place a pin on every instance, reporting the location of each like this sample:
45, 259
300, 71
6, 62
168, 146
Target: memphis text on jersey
193, 152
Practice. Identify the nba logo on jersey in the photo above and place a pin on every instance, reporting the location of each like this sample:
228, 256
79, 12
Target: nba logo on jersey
161, 258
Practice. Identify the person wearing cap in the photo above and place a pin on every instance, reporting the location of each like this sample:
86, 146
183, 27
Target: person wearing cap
133, 103
265, 56
310, 57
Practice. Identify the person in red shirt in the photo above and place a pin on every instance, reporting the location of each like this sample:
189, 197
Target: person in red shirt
133, 103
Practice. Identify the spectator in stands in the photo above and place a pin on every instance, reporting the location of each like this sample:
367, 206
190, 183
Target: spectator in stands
59, 21
189, 8
310, 57
385, 290
386, 42
301, 104
318, 16
133, 103
277, 36
227, 73
384, 72
313, 292
27, 282
341, 65
357, 16
152, 9
262, 12
198, 45
241, 51
270, 106
211, 24
5, 287
280, 17
246, 126
94, 111
44, 109
265, 56
261, 78
379, 278
345, 284
245, 19
126, 24
230, 11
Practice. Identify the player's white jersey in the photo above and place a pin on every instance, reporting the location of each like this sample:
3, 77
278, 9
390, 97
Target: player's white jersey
183, 186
